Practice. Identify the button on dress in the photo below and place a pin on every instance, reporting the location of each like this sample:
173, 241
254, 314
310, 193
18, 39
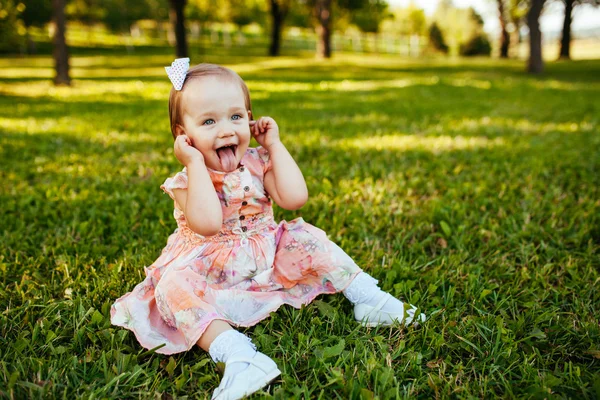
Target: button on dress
248, 270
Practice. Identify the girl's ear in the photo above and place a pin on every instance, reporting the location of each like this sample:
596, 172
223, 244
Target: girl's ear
179, 130
250, 115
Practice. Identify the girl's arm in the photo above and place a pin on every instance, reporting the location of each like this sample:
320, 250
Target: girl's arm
284, 182
199, 202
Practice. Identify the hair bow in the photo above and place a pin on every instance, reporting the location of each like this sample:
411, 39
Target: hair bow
177, 71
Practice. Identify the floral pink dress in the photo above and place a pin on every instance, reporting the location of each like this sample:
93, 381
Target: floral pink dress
241, 275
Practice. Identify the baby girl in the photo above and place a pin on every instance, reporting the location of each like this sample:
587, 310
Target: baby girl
229, 264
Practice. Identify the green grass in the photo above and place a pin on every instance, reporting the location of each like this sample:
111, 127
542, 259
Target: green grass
466, 187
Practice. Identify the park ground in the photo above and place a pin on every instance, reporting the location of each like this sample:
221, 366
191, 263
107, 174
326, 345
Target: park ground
466, 187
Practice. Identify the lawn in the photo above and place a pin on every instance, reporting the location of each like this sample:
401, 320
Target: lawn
465, 186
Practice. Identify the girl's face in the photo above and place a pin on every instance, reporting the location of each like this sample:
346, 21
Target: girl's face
216, 120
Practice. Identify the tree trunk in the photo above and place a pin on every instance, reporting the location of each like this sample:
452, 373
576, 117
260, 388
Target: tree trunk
323, 13
504, 36
565, 41
536, 63
177, 19
278, 12
60, 52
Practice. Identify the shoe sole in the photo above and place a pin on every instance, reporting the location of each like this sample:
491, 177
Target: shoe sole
259, 385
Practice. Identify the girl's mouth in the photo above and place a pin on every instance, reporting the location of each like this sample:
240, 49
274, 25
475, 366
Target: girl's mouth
227, 157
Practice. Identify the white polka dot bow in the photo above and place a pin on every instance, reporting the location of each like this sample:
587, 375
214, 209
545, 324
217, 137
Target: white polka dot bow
177, 71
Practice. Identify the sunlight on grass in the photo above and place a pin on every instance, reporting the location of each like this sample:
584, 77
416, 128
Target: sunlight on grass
144, 164
108, 91
466, 82
522, 125
341, 86
75, 128
274, 63
31, 125
434, 144
567, 86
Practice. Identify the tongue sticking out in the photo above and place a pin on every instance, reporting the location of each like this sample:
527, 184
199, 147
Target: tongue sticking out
227, 158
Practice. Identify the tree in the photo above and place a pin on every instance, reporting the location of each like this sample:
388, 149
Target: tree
565, 40
176, 15
36, 13
410, 20
279, 10
477, 42
477, 45
85, 11
535, 64
298, 15
61, 52
202, 12
11, 28
322, 11
369, 17
120, 15
462, 28
436, 38
504, 36
517, 11
239, 12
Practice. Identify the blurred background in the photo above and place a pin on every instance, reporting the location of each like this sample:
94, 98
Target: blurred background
566, 29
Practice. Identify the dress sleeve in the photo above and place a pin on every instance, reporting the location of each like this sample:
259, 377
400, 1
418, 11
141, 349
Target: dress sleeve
179, 181
265, 159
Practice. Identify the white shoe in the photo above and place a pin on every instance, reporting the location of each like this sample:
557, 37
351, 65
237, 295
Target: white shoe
259, 373
371, 316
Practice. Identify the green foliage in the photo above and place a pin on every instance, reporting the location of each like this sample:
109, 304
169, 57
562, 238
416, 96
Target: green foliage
203, 11
436, 38
237, 12
517, 10
11, 28
370, 15
458, 25
367, 15
476, 46
447, 181
410, 20
86, 11
119, 15
36, 12
242, 12
299, 14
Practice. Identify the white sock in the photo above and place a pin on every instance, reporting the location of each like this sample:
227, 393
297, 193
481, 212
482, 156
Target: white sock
364, 290
229, 344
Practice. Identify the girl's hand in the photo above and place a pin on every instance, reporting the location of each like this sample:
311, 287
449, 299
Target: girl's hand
265, 131
185, 152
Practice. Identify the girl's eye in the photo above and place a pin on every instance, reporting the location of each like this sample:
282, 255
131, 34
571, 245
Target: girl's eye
235, 117
209, 122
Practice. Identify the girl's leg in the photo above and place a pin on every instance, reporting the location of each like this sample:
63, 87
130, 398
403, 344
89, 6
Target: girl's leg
214, 329
373, 306
221, 344
246, 370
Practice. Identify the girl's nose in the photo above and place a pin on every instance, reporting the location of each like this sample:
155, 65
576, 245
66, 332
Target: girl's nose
226, 131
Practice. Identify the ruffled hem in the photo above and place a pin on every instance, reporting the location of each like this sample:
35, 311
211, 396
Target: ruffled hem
168, 347
184, 292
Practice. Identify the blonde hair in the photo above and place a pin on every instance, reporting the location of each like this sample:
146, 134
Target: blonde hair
200, 71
